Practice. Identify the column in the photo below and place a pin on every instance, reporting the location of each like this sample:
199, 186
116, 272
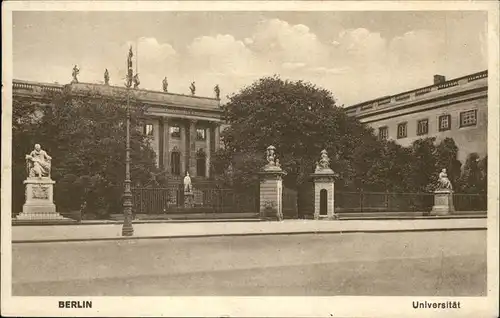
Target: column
184, 149
192, 147
217, 137
207, 159
166, 146
161, 144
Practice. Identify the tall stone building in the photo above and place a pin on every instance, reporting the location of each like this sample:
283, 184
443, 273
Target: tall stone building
185, 129
455, 108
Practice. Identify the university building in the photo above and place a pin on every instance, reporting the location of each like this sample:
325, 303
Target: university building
185, 129
455, 108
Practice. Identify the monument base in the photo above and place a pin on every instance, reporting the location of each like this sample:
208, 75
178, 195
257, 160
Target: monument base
188, 199
39, 201
443, 203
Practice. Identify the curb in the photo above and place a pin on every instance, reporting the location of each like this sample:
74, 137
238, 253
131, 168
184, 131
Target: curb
121, 238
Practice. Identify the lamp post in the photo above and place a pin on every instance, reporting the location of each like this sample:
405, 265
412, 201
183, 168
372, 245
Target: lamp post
127, 229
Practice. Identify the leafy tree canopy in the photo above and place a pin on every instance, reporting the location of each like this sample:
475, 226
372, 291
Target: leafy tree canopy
300, 120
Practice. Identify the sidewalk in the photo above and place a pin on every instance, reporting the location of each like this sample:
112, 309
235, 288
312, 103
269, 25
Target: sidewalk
65, 233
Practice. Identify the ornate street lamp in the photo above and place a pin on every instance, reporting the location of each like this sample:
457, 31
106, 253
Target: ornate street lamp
127, 229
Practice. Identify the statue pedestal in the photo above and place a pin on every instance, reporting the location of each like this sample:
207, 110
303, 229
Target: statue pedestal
324, 191
443, 202
271, 192
189, 199
39, 200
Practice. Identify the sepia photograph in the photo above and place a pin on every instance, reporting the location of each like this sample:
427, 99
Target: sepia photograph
326, 157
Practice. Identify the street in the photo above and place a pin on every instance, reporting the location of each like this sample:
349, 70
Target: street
436, 263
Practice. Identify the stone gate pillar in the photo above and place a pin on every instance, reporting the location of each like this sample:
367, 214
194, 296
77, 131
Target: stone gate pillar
271, 188
324, 189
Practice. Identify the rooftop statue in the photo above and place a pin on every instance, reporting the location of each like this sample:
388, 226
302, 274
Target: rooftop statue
165, 85
106, 77
217, 91
443, 182
75, 73
38, 163
192, 88
136, 81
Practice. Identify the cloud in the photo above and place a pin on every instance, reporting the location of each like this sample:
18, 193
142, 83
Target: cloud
220, 53
356, 64
149, 49
280, 42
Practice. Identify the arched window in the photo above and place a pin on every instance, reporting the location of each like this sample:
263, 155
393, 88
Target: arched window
200, 163
175, 162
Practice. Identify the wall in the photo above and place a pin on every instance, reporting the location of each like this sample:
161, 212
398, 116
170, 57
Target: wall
468, 139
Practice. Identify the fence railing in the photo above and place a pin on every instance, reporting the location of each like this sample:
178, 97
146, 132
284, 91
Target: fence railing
206, 200
403, 202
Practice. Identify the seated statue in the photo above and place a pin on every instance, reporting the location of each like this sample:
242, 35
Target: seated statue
443, 181
38, 163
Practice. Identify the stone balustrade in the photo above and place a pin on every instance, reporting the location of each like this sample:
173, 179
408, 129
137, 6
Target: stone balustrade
388, 101
36, 87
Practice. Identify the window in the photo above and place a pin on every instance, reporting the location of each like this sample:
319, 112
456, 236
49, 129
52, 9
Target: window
200, 134
383, 133
175, 131
148, 130
444, 122
200, 163
175, 163
402, 131
423, 127
468, 118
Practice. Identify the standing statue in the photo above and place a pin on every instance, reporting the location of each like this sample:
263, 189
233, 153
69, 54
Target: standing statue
106, 77
38, 163
136, 81
192, 88
75, 73
188, 187
324, 161
217, 91
443, 182
270, 155
165, 85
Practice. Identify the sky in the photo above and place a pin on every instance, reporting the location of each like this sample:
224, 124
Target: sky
356, 55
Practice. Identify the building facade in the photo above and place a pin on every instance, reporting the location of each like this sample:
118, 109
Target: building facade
456, 108
184, 129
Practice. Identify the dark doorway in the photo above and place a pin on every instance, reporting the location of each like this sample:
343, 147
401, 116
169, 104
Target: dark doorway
323, 202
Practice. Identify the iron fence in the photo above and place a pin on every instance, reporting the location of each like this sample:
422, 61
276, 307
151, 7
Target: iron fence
170, 200
470, 202
403, 202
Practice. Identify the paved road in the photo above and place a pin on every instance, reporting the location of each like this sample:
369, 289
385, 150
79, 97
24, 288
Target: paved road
386, 264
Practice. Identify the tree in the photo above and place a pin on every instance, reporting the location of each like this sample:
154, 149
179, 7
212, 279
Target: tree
300, 120
422, 165
85, 135
474, 175
446, 158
